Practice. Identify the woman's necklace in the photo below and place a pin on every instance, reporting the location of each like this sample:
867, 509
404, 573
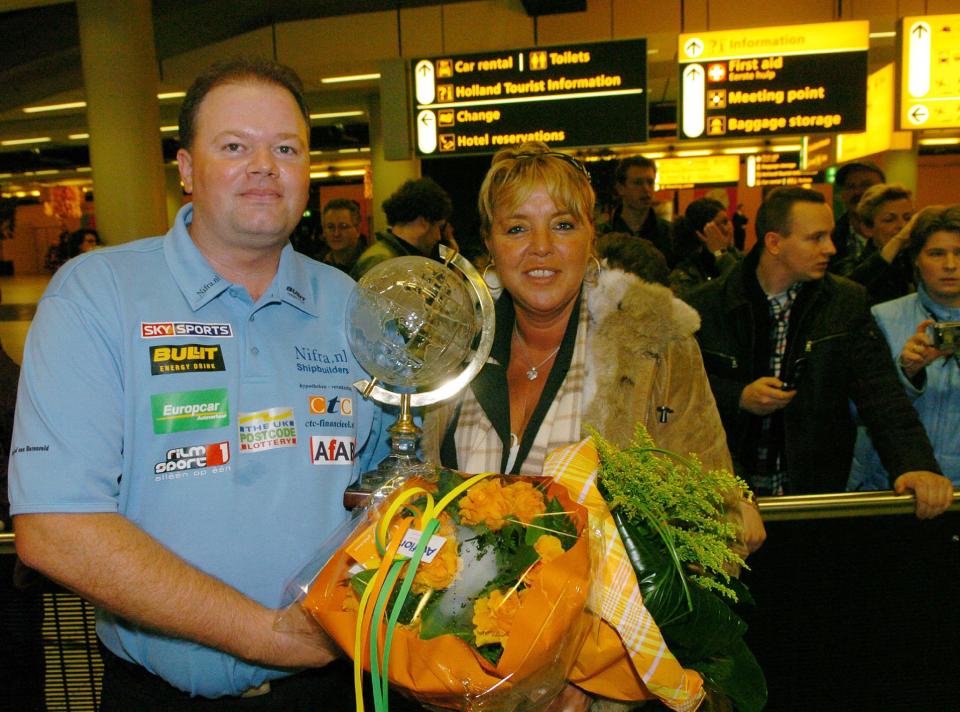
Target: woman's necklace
532, 371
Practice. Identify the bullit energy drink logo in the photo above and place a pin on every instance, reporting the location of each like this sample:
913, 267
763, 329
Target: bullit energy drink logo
185, 358
267, 429
189, 410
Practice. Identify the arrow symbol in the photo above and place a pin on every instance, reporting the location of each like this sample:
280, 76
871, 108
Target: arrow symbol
426, 119
919, 114
693, 47
423, 70
695, 72
918, 31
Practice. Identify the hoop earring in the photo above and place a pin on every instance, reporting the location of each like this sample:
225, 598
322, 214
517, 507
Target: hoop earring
592, 276
491, 278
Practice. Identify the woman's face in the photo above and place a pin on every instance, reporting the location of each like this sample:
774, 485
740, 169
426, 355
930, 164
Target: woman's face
723, 222
938, 266
541, 251
889, 220
89, 243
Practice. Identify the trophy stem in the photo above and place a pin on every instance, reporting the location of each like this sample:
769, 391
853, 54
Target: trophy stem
401, 463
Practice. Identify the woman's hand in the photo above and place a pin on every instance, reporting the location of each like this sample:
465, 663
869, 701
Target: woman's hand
572, 699
919, 351
713, 237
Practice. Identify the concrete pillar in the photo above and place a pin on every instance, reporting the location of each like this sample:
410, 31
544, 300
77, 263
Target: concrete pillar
901, 167
123, 116
387, 175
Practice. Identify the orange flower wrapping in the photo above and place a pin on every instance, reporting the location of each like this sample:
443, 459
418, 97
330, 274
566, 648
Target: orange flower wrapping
540, 627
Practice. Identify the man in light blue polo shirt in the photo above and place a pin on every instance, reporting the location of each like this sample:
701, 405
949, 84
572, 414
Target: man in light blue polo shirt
186, 422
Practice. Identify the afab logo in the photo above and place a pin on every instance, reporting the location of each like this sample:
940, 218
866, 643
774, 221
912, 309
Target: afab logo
332, 450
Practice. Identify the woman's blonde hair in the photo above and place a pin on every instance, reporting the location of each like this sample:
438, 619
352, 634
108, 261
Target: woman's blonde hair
874, 198
515, 172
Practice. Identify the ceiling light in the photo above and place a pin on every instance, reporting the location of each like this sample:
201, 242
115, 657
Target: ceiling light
168, 129
336, 114
787, 147
693, 154
23, 141
939, 141
78, 137
658, 154
350, 78
358, 172
48, 172
741, 150
882, 35
348, 150
83, 169
54, 107
172, 95
320, 174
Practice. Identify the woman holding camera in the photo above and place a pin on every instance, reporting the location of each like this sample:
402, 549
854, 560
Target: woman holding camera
920, 334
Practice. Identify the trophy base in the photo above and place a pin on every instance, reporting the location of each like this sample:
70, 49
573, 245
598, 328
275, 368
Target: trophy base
378, 484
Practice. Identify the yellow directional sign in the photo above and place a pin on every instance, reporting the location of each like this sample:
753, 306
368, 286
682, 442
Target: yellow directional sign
930, 72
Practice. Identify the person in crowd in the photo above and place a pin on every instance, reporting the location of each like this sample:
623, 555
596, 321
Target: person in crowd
787, 346
417, 214
851, 182
181, 479
882, 266
635, 178
623, 251
341, 230
927, 359
568, 336
21, 601
83, 241
703, 246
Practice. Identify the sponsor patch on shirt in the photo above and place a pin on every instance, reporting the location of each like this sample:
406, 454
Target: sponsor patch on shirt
190, 410
163, 329
332, 449
336, 405
185, 358
267, 429
193, 457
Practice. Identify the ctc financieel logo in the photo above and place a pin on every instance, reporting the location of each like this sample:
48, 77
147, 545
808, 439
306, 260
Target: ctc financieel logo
320, 405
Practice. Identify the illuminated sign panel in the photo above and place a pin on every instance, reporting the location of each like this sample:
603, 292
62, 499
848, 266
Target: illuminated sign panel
697, 171
577, 95
930, 72
778, 169
879, 136
800, 79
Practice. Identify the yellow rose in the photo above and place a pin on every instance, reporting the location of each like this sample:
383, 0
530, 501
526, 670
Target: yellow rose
548, 547
440, 572
493, 616
484, 503
524, 501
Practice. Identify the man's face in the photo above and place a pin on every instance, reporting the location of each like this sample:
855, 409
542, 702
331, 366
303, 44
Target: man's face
805, 253
339, 230
249, 166
856, 185
636, 191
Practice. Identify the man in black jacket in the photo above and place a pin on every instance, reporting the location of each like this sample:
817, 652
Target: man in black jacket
787, 346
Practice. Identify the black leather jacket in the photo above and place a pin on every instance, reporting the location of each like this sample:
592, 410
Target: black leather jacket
839, 355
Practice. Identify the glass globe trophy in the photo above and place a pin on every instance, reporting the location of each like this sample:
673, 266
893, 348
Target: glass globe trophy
422, 329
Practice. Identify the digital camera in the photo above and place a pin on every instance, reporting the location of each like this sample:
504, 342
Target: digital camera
946, 335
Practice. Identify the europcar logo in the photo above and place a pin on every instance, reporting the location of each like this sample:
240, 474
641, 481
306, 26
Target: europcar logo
332, 450
321, 405
162, 329
189, 410
185, 358
194, 457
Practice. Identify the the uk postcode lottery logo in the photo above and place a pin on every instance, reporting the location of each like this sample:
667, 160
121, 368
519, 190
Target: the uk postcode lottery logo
332, 449
267, 429
189, 410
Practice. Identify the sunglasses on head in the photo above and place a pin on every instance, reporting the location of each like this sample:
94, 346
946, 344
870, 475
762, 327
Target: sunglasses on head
566, 158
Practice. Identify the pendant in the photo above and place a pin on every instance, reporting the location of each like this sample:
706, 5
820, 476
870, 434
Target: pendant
532, 373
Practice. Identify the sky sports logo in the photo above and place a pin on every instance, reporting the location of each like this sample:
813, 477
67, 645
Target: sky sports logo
165, 329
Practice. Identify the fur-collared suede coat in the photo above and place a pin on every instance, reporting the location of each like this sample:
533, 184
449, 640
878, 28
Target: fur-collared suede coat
643, 365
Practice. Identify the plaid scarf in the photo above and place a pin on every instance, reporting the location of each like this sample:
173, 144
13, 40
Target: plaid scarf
481, 450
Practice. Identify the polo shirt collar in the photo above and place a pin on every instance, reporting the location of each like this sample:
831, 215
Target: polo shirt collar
200, 283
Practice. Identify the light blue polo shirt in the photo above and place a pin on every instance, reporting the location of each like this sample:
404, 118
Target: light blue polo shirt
226, 429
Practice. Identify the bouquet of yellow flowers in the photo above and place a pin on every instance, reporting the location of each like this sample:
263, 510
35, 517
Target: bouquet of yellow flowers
466, 592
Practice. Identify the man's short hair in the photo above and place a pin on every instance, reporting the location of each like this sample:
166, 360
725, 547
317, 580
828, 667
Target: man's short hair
875, 196
625, 164
843, 173
634, 254
936, 218
421, 198
344, 204
774, 214
237, 71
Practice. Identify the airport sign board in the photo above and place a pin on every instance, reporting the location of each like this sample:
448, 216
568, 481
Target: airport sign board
930, 72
